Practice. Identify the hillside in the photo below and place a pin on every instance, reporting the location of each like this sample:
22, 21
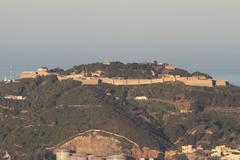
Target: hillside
43, 120
56, 110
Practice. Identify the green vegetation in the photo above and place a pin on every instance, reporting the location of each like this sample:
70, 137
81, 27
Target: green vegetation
129, 70
56, 110
156, 106
181, 157
42, 121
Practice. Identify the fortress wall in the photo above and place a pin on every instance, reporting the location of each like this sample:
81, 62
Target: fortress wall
169, 79
190, 81
202, 77
42, 73
154, 81
61, 78
201, 83
145, 81
221, 82
89, 81
25, 75
107, 80
132, 81
120, 82
75, 76
181, 78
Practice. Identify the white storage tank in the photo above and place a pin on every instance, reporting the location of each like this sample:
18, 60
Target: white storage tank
63, 154
78, 157
117, 157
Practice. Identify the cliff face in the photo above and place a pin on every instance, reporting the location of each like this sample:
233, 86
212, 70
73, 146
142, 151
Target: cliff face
104, 143
95, 144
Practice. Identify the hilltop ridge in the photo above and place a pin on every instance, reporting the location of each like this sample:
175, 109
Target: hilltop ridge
117, 73
42, 111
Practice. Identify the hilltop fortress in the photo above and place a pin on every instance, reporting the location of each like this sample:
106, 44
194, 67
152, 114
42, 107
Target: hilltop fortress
189, 81
97, 77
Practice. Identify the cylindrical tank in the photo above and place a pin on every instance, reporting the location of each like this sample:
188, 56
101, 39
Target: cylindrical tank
78, 157
63, 154
98, 158
117, 157
89, 157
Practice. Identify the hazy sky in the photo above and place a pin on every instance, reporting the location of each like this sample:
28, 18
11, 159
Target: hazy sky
195, 34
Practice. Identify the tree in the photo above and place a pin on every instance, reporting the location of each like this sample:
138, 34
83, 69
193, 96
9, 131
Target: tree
181, 157
42, 154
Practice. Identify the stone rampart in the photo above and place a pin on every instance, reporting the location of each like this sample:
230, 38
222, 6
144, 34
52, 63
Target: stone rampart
200, 83
190, 81
221, 82
25, 75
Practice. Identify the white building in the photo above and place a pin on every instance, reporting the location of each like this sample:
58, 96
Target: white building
141, 98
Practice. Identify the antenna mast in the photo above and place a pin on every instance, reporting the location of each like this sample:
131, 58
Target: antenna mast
11, 74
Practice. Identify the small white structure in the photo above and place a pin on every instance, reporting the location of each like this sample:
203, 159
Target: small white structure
78, 157
185, 111
170, 66
231, 157
13, 97
63, 154
188, 149
106, 62
117, 157
6, 156
141, 98
98, 73
222, 150
216, 154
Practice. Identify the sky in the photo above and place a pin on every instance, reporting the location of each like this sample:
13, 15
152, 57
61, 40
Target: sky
198, 35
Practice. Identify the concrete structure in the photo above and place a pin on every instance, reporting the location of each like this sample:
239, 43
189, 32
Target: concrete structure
106, 62
117, 157
13, 97
185, 111
189, 81
169, 66
224, 150
98, 73
6, 156
216, 155
43, 71
171, 154
221, 82
196, 81
188, 149
63, 154
144, 98
78, 157
28, 74
231, 157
